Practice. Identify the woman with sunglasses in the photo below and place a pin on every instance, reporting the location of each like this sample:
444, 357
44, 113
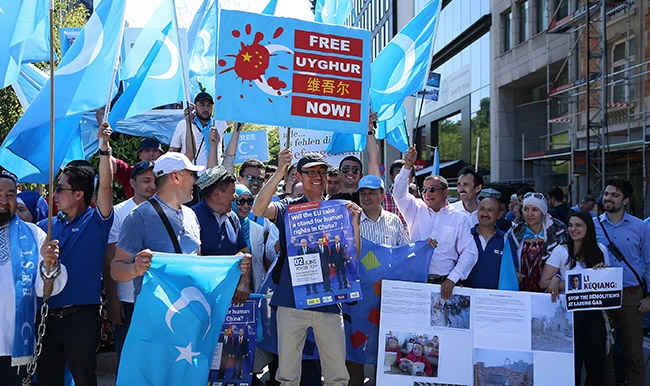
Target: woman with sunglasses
529, 244
590, 335
254, 233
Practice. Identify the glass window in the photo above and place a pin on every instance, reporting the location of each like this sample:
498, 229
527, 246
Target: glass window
523, 21
507, 31
449, 138
619, 91
541, 15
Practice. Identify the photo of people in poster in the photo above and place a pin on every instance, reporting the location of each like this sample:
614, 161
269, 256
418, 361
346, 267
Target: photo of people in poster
232, 364
322, 254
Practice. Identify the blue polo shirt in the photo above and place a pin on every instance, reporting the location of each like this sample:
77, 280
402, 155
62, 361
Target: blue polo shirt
219, 237
485, 273
82, 246
283, 295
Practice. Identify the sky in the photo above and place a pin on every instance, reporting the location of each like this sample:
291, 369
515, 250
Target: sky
138, 11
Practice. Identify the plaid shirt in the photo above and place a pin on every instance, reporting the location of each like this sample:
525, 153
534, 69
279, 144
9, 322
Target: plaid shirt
388, 203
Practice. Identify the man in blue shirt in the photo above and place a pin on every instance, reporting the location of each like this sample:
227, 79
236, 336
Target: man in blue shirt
73, 323
632, 238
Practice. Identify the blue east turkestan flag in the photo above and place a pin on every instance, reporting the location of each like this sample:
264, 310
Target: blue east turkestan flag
177, 319
270, 8
158, 79
19, 23
83, 81
378, 262
203, 50
435, 171
332, 11
402, 67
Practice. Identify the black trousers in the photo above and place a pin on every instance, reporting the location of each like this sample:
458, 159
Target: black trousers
72, 338
590, 337
11, 376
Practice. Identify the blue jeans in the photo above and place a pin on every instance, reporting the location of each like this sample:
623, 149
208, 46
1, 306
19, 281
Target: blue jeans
120, 330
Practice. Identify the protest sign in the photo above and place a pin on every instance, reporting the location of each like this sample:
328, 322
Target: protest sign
295, 73
252, 144
304, 141
594, 289
475, 337
322, 254
232, 364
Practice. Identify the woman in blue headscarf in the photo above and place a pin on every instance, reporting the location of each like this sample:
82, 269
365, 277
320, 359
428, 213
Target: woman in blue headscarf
253, 232
32, 207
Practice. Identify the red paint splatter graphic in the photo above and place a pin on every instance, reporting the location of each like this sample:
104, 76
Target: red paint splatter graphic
252, 61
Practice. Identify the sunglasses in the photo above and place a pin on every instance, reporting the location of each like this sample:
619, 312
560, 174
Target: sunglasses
59, 189
244, 201
536, 195
431, 189
314, 173
251, 177
347, 169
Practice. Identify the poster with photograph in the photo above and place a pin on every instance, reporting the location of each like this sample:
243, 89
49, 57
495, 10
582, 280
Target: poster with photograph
476, 337
232, 364
594, 289
322, 254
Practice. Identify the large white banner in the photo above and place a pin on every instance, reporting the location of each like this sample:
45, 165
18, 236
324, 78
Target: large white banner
499, 337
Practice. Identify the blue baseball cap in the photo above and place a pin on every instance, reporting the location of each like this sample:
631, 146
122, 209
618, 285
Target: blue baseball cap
370, 182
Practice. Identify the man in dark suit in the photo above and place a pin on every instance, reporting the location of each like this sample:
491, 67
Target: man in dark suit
240, 351
304, 250
226, 352
324, 253
339, 260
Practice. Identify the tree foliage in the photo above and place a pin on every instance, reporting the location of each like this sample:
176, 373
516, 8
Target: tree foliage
450, 136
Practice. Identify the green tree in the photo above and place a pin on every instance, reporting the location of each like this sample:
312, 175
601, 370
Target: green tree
480, 127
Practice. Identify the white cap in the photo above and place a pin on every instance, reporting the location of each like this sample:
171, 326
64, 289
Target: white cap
173, 162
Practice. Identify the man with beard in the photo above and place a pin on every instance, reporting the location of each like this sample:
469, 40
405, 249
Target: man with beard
198, 137
119, 295
20, 243
627, 238
470, 183
74, 323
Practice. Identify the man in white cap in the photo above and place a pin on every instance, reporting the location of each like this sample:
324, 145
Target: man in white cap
144, 228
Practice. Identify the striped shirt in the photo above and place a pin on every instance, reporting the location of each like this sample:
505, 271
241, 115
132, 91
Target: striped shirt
388, 229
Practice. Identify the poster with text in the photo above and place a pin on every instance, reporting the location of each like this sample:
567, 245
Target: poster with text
499, 337
232, 364
304, 141
287, 72
322, 254
251, 144
594, 289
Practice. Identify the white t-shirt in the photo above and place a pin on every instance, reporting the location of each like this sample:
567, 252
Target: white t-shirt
125, 290
560, 255
178, 140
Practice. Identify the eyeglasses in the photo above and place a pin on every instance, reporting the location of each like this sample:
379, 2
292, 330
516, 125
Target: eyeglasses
251, 177
314, 173
59, 189
244, 201
347, 169
536, 195
431, 189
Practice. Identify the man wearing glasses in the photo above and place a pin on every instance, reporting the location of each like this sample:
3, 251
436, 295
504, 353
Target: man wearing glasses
433, 218
251, 174
73, 323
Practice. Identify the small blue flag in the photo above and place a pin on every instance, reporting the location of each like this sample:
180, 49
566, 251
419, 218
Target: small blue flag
435, 171
332, 11
203, 51
177, 320
270, 8
83, 83
378, 262
29, 83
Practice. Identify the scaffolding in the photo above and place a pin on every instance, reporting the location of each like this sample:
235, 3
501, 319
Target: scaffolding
590, 99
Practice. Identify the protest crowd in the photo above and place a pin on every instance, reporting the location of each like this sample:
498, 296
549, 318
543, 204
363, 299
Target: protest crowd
94, 256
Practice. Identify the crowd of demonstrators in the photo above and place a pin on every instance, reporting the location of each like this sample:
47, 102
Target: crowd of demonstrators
477, 244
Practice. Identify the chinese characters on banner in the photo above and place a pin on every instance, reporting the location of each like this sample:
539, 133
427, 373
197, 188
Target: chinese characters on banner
294, 73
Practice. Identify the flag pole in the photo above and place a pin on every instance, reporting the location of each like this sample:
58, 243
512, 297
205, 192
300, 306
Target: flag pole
51, 179
288, 137
186, 86
478, 143
417, 123
107, 107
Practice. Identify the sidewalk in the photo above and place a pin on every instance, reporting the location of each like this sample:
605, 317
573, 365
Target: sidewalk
106, 368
